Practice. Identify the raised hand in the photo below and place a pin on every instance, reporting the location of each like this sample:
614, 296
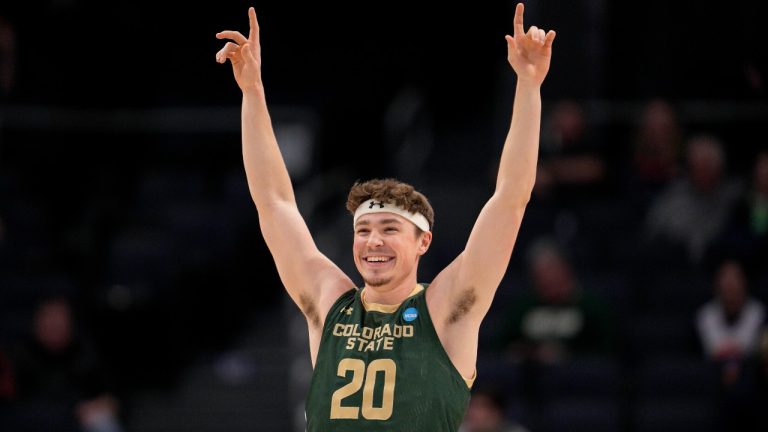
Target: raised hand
244, 54
529, 53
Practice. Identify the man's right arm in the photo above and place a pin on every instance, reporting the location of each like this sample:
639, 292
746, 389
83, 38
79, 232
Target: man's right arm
308, 275
311, 279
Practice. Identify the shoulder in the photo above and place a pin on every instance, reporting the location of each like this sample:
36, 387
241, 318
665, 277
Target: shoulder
754, 307
708, 311
343, 300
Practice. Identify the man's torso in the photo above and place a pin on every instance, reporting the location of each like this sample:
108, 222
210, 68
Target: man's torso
383, 369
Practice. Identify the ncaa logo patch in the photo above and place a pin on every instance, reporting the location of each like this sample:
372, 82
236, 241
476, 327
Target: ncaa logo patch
410, 314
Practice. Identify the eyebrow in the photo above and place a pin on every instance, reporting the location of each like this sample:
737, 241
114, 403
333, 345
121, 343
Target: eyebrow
388, 221
382, 222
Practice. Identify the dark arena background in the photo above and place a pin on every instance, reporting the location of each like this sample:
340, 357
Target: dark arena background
136, 292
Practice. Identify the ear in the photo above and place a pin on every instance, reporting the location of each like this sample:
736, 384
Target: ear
424, 241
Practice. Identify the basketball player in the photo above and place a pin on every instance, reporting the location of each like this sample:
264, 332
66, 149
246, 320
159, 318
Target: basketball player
393, 355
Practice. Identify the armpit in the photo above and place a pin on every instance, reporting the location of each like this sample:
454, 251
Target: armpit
310, 311
463, 305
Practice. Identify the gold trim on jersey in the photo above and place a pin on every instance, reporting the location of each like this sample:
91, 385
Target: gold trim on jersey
470, 381
378, 307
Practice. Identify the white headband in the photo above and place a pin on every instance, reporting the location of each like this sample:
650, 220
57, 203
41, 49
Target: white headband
373, 206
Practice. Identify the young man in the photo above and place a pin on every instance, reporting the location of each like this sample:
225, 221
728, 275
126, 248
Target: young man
392, 356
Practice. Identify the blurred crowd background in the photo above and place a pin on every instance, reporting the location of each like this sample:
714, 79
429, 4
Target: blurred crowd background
136, 293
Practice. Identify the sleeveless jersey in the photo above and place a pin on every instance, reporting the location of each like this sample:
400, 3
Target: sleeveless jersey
382, 370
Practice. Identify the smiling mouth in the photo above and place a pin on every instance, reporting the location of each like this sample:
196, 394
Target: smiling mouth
378, 260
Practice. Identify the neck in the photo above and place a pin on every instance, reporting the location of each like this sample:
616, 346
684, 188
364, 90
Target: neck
392, 293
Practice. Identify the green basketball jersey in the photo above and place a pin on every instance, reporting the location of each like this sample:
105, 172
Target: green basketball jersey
380, 371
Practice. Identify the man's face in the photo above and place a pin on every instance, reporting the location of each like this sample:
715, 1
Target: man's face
386, 248
53, 325
705, 166
553, 279
732, 287
483, 414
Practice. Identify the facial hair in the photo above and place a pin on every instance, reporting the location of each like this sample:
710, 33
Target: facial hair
377, 282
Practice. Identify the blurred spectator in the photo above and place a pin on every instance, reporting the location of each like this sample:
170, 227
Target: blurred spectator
60, 383
729, 328
559, 318
692, 210
656, 149
746, 235
729, 325
570, 159
486, 414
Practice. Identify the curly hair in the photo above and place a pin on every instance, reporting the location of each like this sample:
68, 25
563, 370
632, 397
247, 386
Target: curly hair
392, 191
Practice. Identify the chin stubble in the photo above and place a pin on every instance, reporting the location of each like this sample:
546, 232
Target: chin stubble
377, 282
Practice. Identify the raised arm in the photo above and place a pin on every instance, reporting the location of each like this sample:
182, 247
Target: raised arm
471, 280
310, 278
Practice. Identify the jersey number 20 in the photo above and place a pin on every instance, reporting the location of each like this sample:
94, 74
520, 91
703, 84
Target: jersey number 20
370, 412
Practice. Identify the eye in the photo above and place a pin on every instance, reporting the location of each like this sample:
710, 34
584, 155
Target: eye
390, 229
362, 231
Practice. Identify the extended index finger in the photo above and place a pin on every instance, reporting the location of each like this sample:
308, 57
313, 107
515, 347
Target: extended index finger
518, 22
253, 36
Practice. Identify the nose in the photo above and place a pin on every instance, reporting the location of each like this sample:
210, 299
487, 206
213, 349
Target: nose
374, 239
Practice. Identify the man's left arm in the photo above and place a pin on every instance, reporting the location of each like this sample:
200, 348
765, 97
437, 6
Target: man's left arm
471, 280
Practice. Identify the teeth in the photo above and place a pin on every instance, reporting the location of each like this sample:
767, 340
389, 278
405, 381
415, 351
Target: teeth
377, 259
